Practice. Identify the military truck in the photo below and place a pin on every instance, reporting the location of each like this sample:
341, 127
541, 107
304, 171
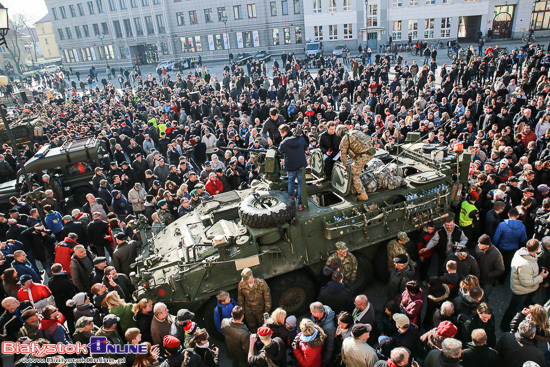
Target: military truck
204, 251
26, 131
71, 164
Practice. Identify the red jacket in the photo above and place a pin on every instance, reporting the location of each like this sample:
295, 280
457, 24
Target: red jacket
64, 252
412, 305
423, 240
307, 356
38, 291
213, 188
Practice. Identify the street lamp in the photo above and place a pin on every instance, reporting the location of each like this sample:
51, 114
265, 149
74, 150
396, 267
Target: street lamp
4, 24
224, 20
101, 37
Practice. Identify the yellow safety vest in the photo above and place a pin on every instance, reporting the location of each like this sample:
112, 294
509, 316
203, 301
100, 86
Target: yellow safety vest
464, 219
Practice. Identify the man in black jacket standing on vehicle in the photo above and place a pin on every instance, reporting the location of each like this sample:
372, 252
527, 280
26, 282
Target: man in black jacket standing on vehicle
329, 143
294, 150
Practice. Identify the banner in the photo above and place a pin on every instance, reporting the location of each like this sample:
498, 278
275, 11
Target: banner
226, 41
75, 53
240, 40
211, 46
256, 38
92, 49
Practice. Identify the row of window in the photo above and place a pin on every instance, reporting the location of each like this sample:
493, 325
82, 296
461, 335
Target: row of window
429, 29
97, 7
103, 28
332, 6
399, 3
332, 32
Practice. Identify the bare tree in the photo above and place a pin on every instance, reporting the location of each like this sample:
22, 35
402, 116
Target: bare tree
14, 41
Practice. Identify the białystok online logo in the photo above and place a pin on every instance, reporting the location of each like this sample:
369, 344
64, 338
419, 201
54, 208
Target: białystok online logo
98, 345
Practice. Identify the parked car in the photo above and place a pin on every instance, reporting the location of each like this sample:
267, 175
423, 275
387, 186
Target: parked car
182, 64
338, 50
242, 58
52, 68
262, 56
167, 65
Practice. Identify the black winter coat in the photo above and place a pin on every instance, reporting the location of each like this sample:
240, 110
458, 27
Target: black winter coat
77, 227
143, 321
43, 247
514, 351
96, 232
479, 356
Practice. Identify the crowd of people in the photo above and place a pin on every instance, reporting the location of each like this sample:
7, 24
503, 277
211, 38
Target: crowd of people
169, 143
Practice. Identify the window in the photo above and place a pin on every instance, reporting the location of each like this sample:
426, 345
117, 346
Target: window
157, 2
73, 12
144, 2
191, 44
445, 27
413, 28
118, 29
347, 5
540, 17
221, 13
122, 4
284, 6
430, 2
218, 42
149, 25
331, 6
80, 9
276, 36
251, 10
298, 34
77, 32
86, 54
180, 18
397, 3
99, 4
372, 15
333, 32
193, 17
318, 32
134, 3
91, 7
237, 12
46, 40
128, 27
396, 30
104, 28
273, 7
247, 39
122, 52
61, 34
297, 7
96, 29
54, 12
208, 16
164, 48
63, 13
69, 34
160, 23
112, 5
429, 28
69, 56
106, 52
413, 2
86, 30
286, 32
137, 25
316, 6
348, 31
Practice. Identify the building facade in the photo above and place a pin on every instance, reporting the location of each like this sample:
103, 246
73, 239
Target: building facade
46, 37
126, 32
334, 22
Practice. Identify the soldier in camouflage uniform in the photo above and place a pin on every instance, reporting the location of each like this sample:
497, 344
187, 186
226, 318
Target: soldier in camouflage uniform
397, 247
49, 184
349, 262
254, 298
359, 147
164, 213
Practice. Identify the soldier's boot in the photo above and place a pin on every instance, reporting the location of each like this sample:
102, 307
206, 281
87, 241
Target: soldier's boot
363, 196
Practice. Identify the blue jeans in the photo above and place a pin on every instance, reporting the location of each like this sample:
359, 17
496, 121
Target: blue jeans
292, 176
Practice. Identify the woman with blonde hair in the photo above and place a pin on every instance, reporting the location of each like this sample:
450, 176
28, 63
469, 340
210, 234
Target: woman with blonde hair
539, 316
143, 317
276, 322
308, 344
468, 283
183, 192
118, 307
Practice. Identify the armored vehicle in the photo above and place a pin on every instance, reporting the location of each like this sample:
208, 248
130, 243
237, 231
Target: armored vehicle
26, 130
71, 164
203, 252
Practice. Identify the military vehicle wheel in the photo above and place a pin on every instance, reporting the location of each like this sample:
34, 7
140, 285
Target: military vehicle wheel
380, 264
365, 273
265, 209
294, 292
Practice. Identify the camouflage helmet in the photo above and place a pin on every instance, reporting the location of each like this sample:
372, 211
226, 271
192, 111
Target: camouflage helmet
402, 236
246, 274
341, 130
341, 246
